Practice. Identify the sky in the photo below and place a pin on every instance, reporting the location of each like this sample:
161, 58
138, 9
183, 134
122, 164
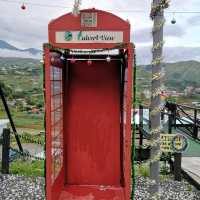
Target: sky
28, 28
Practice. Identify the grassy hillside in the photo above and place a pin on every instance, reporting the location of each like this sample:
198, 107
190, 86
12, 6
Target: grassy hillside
22, 83
22, 76
183, 74
178, 75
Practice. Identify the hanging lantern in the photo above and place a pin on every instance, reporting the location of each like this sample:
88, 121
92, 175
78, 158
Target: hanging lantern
108, 58
23, 7
89, 62
55, 59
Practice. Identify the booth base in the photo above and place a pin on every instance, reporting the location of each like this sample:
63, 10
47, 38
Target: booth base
74, 192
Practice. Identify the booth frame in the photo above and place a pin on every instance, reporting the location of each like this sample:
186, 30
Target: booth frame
52, 191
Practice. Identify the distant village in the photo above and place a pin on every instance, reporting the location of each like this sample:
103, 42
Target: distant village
189, 92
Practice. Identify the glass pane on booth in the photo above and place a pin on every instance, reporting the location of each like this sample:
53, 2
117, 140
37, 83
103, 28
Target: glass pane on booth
56, 121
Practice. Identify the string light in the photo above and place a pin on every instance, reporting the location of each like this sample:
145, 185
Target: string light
157, 60
92, 51
158, 46
157, 76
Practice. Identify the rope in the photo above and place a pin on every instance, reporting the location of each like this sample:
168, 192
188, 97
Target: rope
26, 154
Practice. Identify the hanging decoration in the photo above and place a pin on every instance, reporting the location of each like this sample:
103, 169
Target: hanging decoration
108, 59
173, 21
89, 62
73, 60
76, 8
23, 7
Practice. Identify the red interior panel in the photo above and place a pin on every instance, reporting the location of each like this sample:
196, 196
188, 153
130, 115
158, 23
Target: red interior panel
92, 193
92, 124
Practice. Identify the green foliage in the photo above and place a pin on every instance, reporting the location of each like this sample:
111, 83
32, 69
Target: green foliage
142, 170
28, 138
27, 168
190, 188
7, 90
164, 170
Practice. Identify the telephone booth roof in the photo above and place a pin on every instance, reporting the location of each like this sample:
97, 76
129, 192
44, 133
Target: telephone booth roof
91, 29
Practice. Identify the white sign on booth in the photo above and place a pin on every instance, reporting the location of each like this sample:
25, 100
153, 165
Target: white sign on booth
89, 36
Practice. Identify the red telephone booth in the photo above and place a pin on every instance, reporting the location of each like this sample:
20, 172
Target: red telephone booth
88, 89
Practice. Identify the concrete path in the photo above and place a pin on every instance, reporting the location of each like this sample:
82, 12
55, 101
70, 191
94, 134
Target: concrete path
191, 165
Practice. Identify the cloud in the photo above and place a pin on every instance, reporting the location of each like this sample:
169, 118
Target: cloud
145, 35
142, 35
171, 54
18, 54
29, 28
194, 21
174, 31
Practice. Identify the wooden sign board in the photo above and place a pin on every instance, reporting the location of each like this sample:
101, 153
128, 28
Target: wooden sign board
173, 143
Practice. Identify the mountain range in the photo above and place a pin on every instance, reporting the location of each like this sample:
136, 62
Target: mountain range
8, 50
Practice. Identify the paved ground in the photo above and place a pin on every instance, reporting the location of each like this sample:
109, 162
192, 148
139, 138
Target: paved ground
23, 188
169, 190
192, 166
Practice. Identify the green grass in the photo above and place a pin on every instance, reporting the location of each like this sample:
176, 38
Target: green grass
25, 120
142, 170
27, 168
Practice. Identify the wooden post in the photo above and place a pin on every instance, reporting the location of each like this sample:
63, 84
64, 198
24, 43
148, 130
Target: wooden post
5, 151
170, 119
141, 124
177, 166
195, 127
140, 132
